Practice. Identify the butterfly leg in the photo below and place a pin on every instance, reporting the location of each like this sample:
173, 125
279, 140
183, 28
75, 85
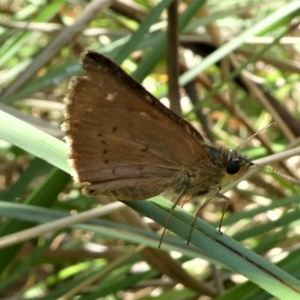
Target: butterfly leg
213, 193
177, 200
224, 209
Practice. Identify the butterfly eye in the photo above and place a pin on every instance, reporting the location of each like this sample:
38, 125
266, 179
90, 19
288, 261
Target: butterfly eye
232, 167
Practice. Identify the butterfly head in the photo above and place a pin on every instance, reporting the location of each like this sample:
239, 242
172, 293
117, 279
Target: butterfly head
236, 165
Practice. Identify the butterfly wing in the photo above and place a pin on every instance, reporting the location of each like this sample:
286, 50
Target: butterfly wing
122, 140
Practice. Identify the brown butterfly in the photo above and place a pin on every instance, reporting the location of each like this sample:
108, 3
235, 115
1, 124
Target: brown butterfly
125, 144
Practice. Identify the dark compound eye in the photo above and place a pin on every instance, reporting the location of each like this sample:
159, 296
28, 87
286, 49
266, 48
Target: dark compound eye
232, 167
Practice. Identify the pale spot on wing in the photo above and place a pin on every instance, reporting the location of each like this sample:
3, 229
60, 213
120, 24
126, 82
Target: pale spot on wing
145, 115
111, 96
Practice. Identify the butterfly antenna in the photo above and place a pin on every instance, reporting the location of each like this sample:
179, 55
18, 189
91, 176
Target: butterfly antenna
285, 176
255, 134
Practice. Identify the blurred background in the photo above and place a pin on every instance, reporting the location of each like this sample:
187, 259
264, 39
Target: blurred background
228, 67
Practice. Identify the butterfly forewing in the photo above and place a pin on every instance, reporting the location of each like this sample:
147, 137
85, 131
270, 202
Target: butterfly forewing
123, 141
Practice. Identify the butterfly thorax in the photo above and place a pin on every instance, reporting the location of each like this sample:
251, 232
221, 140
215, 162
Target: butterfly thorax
224, 166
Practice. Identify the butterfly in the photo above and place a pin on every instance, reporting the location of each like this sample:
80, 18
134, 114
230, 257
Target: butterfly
125, 144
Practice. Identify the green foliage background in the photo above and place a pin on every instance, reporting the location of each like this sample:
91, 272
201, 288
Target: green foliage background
242, 59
